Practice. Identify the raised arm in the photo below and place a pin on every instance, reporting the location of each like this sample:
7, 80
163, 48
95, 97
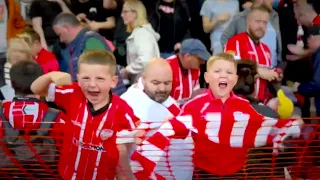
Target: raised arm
41, 85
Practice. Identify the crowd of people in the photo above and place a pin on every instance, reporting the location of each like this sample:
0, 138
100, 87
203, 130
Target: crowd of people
167, 89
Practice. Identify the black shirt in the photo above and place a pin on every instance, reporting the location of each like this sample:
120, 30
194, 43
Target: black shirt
47, 11
94, 11
166, 27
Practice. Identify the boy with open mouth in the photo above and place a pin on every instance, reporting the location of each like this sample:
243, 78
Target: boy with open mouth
224, 126
101, 124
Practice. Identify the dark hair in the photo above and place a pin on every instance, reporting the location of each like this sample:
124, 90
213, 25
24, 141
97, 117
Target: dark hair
66, 18
23, 74
246, 71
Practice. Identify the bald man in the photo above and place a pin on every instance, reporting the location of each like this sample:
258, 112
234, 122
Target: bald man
151, 102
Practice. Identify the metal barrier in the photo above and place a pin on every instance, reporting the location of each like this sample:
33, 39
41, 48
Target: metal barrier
22, 159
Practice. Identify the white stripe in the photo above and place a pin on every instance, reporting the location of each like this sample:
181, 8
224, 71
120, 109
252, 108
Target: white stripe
95, 171
213, 126
237, 133
151, 152
190, 83
181, 84
132, 125
104, 119
11, 118
83, 127
238, 49
169, 102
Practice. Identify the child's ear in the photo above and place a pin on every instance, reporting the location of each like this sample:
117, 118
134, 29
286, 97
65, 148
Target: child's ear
114, 82
206, 77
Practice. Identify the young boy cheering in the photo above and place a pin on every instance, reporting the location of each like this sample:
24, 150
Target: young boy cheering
95, 144
223, 125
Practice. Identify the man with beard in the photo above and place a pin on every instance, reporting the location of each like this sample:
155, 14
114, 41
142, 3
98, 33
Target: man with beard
247, 45
151, 102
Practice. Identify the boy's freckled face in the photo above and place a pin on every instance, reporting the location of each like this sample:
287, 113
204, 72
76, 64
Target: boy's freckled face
221, 77
96, 81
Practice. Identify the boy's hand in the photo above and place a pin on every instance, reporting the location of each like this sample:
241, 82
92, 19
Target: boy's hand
60, 78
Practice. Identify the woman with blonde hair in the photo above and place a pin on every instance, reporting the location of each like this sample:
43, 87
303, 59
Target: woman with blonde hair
18, 50
142, 44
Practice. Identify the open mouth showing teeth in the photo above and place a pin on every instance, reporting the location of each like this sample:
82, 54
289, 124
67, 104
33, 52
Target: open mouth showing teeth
94, 93
223, 85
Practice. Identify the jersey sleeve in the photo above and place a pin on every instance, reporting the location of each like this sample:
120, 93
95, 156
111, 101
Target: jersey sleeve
127, 123
61, 95
254, 130
233, 47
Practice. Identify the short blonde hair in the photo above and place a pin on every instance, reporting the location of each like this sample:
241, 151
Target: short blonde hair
99, 57
141, 13
20, 45
222, 56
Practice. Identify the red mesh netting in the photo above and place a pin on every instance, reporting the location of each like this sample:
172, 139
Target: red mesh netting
23, 159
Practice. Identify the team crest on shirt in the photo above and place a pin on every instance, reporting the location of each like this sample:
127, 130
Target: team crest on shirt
106, 134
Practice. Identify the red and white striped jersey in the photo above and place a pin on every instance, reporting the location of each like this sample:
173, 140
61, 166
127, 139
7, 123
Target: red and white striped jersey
183, 84
242, 46
90, 150
222, 133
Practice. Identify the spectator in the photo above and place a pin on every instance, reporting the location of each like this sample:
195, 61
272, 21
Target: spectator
79, 40
308, 17
18, 50
99, 148
186, 69
171, 20
40, 128
42, 14
96, 17
153, 89
272, 37
216, 15
14, 24
248, 45
142, 43
312, 88
46, 59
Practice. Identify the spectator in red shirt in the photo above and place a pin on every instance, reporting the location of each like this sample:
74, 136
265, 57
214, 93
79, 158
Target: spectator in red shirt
224, 127
247, 45
46, 59
97, 137
186, 69
23, 117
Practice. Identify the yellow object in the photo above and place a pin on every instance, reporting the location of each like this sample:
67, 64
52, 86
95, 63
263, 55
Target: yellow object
285, 107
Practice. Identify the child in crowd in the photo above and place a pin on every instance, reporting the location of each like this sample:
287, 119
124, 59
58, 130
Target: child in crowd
96, 140
224, 126
46, 59
30, 131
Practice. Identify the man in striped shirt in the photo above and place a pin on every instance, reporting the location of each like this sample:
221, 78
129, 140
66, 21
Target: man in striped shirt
247, 45
96, 140
186, 69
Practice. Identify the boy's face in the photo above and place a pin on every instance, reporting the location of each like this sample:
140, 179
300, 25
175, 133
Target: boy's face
221, 77
96, 81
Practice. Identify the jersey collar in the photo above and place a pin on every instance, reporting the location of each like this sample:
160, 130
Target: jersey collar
101, 110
